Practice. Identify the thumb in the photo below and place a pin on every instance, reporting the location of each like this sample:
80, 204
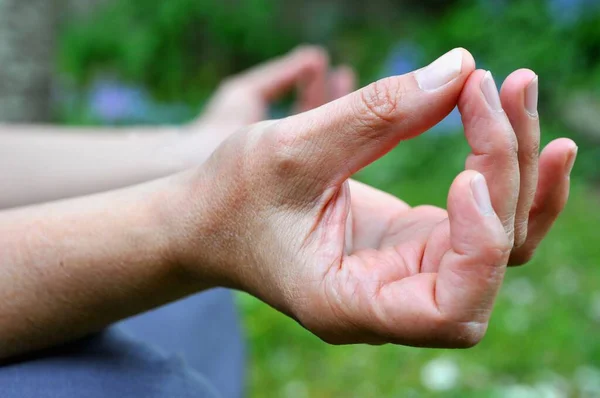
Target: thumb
339, 138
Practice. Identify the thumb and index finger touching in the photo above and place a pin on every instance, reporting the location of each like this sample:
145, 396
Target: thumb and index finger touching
340, 138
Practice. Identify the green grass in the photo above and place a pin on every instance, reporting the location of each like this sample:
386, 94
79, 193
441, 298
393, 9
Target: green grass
543, 336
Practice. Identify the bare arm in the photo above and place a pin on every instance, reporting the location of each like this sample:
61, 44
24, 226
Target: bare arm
71, 267
43, 163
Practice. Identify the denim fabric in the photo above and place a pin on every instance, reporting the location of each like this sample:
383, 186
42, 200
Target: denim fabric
191, 348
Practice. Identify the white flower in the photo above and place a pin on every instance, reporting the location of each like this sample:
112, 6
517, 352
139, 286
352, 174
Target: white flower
440, 374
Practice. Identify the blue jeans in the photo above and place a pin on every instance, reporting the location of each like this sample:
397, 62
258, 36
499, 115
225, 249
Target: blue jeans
191, 348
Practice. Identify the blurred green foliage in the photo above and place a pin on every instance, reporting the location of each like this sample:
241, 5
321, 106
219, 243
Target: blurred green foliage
181, 49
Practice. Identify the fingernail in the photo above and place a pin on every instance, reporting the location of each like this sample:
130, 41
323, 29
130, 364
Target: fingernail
490, 92
571, 160
531, 97
441, 71
482, 195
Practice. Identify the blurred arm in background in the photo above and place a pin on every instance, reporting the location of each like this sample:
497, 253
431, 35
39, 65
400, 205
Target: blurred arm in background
45, 163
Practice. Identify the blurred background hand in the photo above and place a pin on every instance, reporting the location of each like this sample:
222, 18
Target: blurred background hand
245, 99
248, 97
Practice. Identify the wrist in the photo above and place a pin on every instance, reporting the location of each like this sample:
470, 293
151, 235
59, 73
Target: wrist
192, 229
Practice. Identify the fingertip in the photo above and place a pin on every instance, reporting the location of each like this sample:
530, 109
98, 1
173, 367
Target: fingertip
562, 144
468, 62
312, 54
471, 90
344, 72
556, 162
558, 155
471, 211
447, 73
560, 148
461, 195
519, 79
514, 91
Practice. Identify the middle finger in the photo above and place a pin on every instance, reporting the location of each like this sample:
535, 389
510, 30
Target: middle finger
519, 99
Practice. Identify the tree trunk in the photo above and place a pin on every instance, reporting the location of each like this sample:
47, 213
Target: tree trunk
27, 43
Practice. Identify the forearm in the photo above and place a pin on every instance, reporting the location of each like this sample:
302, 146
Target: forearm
45, 163
70, 268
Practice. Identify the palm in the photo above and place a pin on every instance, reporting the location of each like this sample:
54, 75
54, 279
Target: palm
414, 239
390, 255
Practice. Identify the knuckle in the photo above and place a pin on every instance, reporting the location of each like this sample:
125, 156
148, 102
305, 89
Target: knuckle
505, 145
285, 153
498, 253
497, 248
529, 153
511, 145
379, 102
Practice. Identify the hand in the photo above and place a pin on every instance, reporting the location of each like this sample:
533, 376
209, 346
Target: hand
353, 264
244, 99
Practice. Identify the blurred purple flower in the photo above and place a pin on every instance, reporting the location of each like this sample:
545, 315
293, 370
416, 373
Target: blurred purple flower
112, 101
403, 58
